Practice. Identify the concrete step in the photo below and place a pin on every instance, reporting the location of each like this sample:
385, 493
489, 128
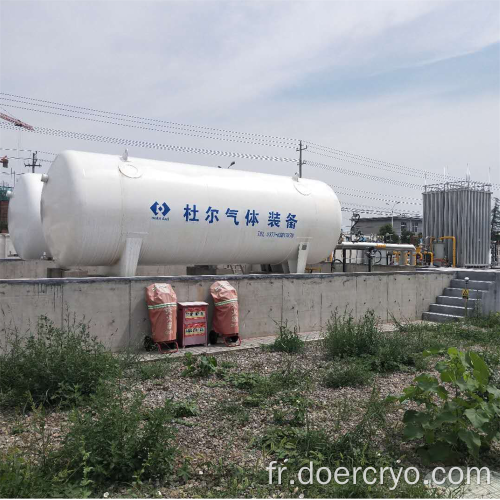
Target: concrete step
439, 317
477, 275
457, 292
473, 284
444, 309
456, 301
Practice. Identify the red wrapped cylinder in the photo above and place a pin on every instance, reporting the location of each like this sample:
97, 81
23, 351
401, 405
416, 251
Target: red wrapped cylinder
225, 320
162, 308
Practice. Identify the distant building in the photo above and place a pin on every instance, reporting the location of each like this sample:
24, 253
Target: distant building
371, 225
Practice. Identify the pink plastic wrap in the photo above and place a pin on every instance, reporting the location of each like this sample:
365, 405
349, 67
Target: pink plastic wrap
162, 307
225, 318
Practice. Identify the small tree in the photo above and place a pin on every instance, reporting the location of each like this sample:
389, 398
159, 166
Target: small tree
495, 221
406, 236
387, 231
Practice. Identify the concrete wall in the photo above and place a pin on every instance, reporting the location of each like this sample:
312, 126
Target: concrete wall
116, 310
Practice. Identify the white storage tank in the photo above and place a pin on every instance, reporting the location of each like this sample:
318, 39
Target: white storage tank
25, 224
104, 210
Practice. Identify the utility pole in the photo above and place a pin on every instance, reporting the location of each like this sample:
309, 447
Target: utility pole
300, 157
33, 164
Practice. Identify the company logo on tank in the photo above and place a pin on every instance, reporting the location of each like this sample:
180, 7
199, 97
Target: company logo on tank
160, 211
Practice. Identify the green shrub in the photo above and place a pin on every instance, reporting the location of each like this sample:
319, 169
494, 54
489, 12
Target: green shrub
453, 425
347, 338
354, 374
53, 365
287, 341
199, 366
21, 477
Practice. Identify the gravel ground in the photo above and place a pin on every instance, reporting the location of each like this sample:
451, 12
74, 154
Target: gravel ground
217, 437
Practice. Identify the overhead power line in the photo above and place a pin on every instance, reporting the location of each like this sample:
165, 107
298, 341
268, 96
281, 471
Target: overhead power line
151, 145
86, 110
353, 194
220, 134
211, 152
153, 128
342, 170
401, 171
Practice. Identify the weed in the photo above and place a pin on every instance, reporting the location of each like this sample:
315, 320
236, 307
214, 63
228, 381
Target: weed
156, 370
356, 373
379, 351
34, 473
199, 366
298, 414
287, 340
183, 409
53, 366
490, 321
453, 425
359, 447
234, 410
227, 365
346, 338
120, 438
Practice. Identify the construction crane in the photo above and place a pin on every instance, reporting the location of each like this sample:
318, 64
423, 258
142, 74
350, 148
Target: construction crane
16, 121
4, 161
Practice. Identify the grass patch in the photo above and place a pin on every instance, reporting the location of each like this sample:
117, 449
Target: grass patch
153, 370
377, 351
262, 387
235, 411
53, 366
355, 374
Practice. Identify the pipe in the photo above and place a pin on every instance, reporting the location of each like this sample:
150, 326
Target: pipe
432, 238
454, 240
432, 257
371, 244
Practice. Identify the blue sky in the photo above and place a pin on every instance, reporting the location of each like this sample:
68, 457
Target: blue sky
412, 83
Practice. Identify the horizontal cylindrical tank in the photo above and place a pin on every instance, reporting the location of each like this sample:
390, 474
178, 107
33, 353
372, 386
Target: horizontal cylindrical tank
104, 210
25, 224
